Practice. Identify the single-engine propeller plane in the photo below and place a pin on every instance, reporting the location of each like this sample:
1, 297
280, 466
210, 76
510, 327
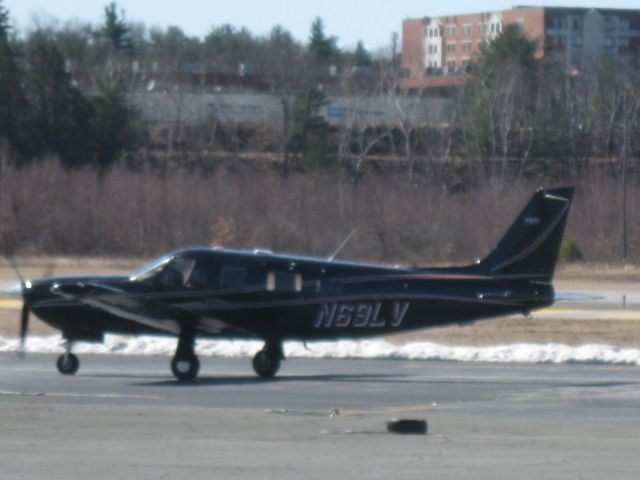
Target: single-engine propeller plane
226, 293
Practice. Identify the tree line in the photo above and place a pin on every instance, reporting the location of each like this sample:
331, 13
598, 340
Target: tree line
63, 90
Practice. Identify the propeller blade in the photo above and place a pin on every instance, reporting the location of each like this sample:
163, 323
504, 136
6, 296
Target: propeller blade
24, 326
24, 316
12, 262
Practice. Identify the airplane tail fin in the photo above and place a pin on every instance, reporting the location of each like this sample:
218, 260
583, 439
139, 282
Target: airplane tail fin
532, 244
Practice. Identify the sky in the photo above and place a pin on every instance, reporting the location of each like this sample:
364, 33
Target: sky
372, 21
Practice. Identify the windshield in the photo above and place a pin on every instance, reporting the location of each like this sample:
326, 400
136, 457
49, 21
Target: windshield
150, 269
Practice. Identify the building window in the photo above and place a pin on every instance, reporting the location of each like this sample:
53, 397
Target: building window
451, 31
466, 30
451, 47
576, 41
577, 24
609, 42
466, 46
560, 40
561, 22
451, 65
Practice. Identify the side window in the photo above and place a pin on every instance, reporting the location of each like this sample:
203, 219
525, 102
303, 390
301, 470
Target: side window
284, 282
233, 277
203, 275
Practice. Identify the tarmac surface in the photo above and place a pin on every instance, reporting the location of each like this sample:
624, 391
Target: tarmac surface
125, 417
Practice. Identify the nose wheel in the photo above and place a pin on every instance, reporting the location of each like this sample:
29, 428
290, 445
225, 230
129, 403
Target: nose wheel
266, 362
68, 363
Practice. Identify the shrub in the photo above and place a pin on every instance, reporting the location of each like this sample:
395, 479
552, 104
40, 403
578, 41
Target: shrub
570, 252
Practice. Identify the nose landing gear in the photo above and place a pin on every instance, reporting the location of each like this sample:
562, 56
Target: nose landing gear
68, 363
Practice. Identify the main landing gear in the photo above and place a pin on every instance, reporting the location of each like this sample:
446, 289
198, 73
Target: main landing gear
68, 363
266, 362
185, 364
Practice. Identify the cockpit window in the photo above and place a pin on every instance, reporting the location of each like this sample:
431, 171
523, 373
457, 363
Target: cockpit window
150, 270
182, 271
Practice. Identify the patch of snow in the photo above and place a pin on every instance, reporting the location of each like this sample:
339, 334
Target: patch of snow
368, 349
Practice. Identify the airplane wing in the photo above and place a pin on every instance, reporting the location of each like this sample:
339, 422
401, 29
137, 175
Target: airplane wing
146, 312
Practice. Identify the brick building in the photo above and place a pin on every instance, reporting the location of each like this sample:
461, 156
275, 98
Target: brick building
436, 49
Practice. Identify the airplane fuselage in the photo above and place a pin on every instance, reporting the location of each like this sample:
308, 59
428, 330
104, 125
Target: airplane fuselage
296, 298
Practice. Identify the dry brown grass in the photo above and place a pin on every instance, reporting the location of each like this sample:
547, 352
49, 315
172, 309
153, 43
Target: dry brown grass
622, 333
598, 272
45, 209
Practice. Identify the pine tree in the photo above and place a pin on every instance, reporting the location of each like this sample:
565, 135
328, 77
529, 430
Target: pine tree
13, 105
60, 114
116, 30
361, 57
322, 49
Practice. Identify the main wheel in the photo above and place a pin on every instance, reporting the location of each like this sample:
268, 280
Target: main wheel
185, 368
266, 362
68, 364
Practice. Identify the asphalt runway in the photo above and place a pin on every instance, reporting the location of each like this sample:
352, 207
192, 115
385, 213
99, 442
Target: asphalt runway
125, 417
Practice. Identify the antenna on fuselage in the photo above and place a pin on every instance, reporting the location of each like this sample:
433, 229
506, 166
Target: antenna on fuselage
342, 245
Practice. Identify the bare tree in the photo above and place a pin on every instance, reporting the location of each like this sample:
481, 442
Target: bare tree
281, 66
629, 116
360, 128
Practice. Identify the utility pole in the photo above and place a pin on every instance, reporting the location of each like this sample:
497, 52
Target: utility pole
625, 247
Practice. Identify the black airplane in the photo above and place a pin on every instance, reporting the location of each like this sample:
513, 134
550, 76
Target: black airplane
225, 293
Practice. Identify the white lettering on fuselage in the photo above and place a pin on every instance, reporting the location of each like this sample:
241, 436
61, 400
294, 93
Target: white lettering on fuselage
360, 315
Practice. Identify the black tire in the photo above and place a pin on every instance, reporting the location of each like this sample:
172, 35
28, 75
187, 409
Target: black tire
266, 362
408, 427
68, 364
185, 369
